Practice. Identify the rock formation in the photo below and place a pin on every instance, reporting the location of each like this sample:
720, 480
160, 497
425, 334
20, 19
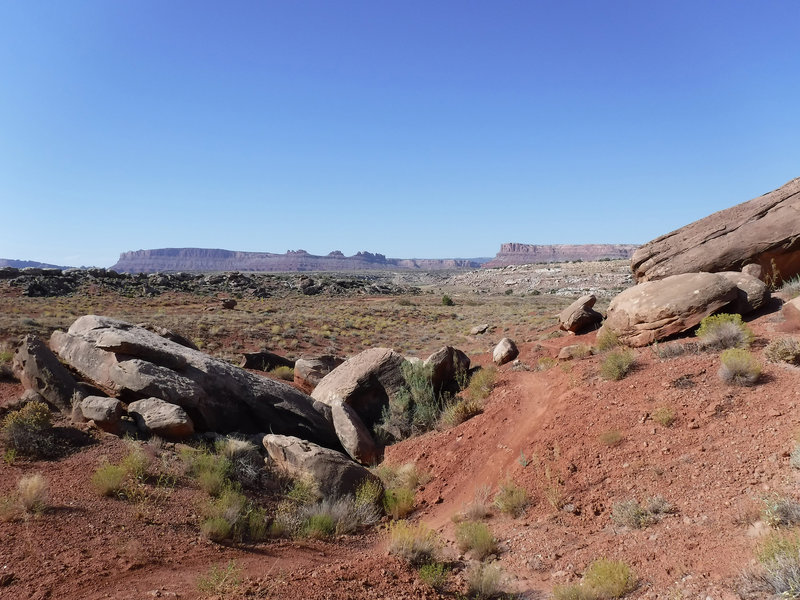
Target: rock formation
525, 254
763, 231
580, 315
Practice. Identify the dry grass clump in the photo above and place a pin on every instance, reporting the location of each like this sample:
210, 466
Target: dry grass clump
603, 580
475, 537
780, 511
285, 373
606, 340
791, 287
416, 544
33, 493
783, 350
739, 367
611, 437
630, 514
617, 364
28, 431
778, 570
484, 581
480, 507
221, 581
481, 383
664, 416
717, 332
511, 499
457, 412
109, 480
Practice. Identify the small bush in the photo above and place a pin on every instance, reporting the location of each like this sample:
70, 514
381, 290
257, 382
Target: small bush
617, 364
285, 373
136, 462
398, 502
783, 350
672, 349
612, 437
483, 581
406, 475
481, 383
664, 416
303, 491
609, 578
33, 493
779, 567
475, 537
369, 493
791, 287
739, 367
417, 544
456, 413
211, 471
10, 509
319, 526
606, 340
630, 514
221, 581
511, 499
28, 430
545, 363
479, 508
109, 480
434, 575
717, 332
780, 511
447, 300
216, 529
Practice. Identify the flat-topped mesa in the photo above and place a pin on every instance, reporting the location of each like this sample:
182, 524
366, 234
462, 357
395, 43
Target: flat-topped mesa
764, 231
525, 254
211, 260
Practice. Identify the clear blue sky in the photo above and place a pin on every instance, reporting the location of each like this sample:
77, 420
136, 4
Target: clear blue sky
412, 128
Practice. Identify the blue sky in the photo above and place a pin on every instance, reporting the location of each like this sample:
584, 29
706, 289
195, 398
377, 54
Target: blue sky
411, 128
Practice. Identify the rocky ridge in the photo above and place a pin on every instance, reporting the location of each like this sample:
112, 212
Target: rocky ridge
525, 254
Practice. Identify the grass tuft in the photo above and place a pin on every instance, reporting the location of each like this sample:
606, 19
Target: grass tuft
617, 364
739, 367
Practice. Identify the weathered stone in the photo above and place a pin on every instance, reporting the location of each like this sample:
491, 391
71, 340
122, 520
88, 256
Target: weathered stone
105, 412
169, 334
580, 315
445, 364
354, 435
479, 329
764, 231
791, 313
754, 270
334, 473
505, 351
655, 310
309, 371
264, 361
217, 395
166, 420
228, 303
575, 351
752, 292
365, 383
40, 370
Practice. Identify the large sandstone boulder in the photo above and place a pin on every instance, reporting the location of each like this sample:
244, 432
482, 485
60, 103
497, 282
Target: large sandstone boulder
364, 383
154, 416
752, 293
505, 351
335, 474
764, 231
132, 363
105, 412
309, 371
580, 315
38, 369
445, 364
655, 310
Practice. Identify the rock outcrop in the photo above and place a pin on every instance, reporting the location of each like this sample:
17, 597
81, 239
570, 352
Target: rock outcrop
38, 369
763, 231
156, 417
132, 364
526, 254
445, 364
505, 351
105, 412
309, 371
655, 310
580, 315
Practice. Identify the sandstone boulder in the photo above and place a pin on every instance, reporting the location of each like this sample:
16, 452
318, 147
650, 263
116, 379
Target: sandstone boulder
479, 329
445, 364
580, 315
38, 369
752, 293
105, 412
309, 371
335, 474
132, 363
505, 351
575, 351
764, 231
365, 383
655, 310
160, 418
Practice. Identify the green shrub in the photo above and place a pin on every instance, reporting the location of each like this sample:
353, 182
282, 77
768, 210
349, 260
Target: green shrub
606, 340
28, 430
303, 491
109, 480
319, 526
475, 537
434, 575
609, 578
285, 373
778, 572
739, 367
783, 350
447, 300
664, 416
462, 410
617, 364
216, 529
483, 581
481, 383
136, 462
717, 332
511, 499
416, 544
369, 492
398, 502
221, 581
211, 471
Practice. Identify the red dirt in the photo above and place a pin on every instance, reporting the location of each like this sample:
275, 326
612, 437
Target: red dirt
726, 451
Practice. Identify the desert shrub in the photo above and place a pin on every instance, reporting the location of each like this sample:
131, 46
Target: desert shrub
672, 349
739, 367
232, 507
617, 364
484, 581
28, 430
216, 529
136, 462
664, 415
369, 493
629, 513
606, 340
447, 300
434, 575
609, 578
783, 350
221, 581
545, 362
780, 511
285, 373
398, 502
717, 332
459, 411
32, 491
475, 537
303, 491
406, 475
319, 526
10, 509
481, 383
778, 571
611, 437
417, 544
479, 508
511, 499
211, 471
791, 287
109, 480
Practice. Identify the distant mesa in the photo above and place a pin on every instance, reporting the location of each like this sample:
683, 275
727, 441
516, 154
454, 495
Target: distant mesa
25, 264
206, 260
524, 254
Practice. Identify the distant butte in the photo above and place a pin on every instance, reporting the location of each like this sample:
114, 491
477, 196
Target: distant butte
208, 260
523, 254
